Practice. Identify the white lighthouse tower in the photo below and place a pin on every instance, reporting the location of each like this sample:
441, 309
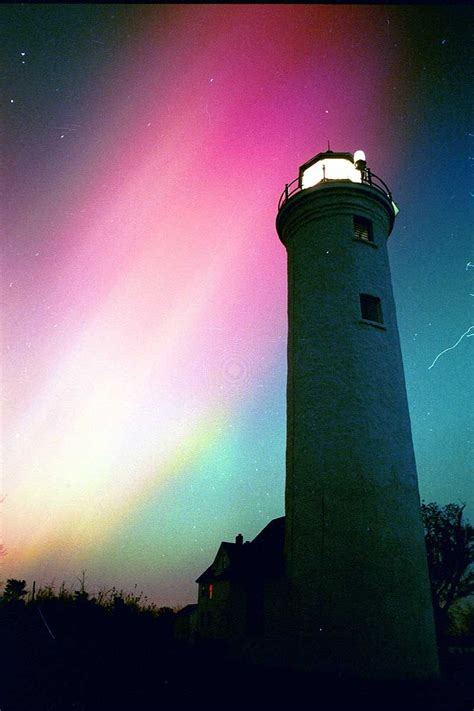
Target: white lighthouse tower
354, 545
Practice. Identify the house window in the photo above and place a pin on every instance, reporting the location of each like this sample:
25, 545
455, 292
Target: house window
371, 308
211, 591
363, 229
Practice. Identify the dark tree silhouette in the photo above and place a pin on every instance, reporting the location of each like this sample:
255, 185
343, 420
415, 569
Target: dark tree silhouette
450, 552
14, 590
462, 622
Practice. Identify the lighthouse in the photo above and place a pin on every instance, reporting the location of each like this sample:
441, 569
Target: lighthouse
358, 588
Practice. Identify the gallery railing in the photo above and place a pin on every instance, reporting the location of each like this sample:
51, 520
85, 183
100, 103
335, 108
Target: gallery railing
368, 178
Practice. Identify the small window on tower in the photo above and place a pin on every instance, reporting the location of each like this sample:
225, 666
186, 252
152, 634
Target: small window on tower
363, 229
371, 308
211, 591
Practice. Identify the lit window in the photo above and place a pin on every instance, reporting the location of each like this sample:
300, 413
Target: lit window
211, 591
363, 229
371, 308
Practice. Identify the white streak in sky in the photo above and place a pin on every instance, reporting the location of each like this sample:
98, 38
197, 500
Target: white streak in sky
468, 334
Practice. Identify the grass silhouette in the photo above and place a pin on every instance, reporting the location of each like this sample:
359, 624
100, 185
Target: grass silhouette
67, 649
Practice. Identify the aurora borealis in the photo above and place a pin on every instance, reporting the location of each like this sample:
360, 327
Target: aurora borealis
144, 285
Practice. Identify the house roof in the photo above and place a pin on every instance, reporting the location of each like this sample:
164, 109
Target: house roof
187, 610
262, 557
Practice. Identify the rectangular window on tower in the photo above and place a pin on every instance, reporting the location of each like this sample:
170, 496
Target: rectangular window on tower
371, 308
363, 229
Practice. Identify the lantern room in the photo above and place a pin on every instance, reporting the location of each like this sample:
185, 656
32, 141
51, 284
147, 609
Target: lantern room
328, 167
332, 166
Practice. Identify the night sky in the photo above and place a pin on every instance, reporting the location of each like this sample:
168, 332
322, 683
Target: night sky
144, 287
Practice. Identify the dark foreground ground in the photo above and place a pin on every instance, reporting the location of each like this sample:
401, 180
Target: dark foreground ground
132, 663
